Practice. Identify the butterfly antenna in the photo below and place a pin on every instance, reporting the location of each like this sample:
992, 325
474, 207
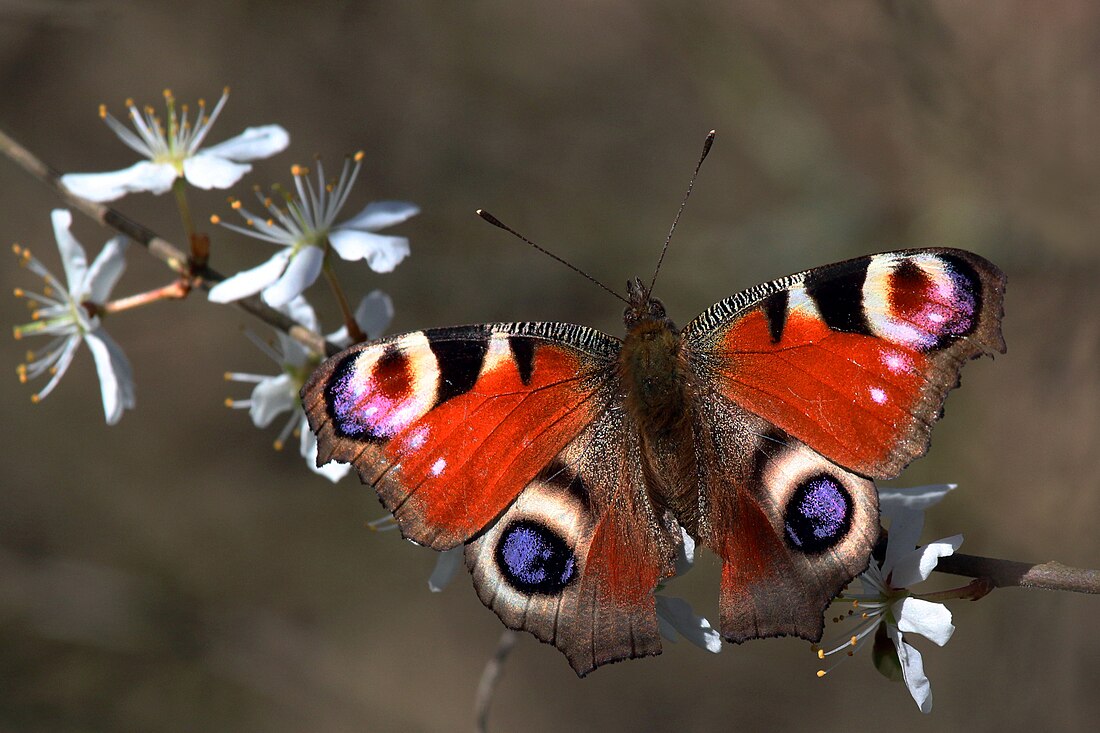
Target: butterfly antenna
691, 184
498, 223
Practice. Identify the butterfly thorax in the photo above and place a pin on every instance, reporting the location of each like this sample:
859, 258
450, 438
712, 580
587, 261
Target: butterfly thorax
656, 379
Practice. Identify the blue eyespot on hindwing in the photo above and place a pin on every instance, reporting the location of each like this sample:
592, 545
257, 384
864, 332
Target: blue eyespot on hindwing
818, 515
533, 559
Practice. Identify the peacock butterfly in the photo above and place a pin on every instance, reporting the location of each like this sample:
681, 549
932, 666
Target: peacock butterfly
567, 461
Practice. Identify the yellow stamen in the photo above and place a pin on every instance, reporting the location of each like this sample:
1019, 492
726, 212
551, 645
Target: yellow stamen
228, 400
278, 445
821, 673
297, 170
35, 399
249, 222
18, 293
102, 111
129, 101
215, 219
820, 653
358, 156
236, 204
853, 641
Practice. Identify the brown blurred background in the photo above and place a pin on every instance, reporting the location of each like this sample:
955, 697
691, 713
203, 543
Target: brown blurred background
173, 573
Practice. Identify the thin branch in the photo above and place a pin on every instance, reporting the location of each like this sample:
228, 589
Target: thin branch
1008, 573
197, 275
489, 678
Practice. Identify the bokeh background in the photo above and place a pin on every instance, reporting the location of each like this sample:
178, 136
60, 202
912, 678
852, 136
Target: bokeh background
174, 573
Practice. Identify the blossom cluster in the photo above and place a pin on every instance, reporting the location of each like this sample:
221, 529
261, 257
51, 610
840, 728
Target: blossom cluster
302, 225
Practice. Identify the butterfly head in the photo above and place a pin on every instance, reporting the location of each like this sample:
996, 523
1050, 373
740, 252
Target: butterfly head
642, 307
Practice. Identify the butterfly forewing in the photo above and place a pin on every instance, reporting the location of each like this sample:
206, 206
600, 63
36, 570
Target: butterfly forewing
854, 359
449, 425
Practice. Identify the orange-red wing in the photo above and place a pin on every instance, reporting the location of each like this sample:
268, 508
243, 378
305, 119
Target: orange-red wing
449, 425
854, 359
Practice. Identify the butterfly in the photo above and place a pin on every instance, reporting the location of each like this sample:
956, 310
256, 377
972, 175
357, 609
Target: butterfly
568, 462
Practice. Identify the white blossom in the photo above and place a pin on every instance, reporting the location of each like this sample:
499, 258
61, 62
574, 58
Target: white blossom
176, 151
304, 229
886, 599
69, 313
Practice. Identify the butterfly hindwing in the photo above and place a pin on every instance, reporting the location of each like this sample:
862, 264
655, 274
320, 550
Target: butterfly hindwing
576, 558
790, 527
854, 359
449, 425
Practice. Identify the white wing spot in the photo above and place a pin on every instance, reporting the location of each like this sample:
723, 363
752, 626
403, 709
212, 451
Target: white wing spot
438, 466
878, 395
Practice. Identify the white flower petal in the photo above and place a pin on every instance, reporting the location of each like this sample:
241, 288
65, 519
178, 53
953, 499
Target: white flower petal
271, 397
143, 176
106, 269
382, 253
115, 375
252, 144
685, 558
930, 620
373, 315
72, 254
250, 282
917, 565
675, 617
333, 470
294, 354
912, 670
446, 565
916, 497
208, 171
302, 312
381, 214
301, 272
905, 529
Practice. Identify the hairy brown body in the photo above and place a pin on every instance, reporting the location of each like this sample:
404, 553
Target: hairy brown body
656, 378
